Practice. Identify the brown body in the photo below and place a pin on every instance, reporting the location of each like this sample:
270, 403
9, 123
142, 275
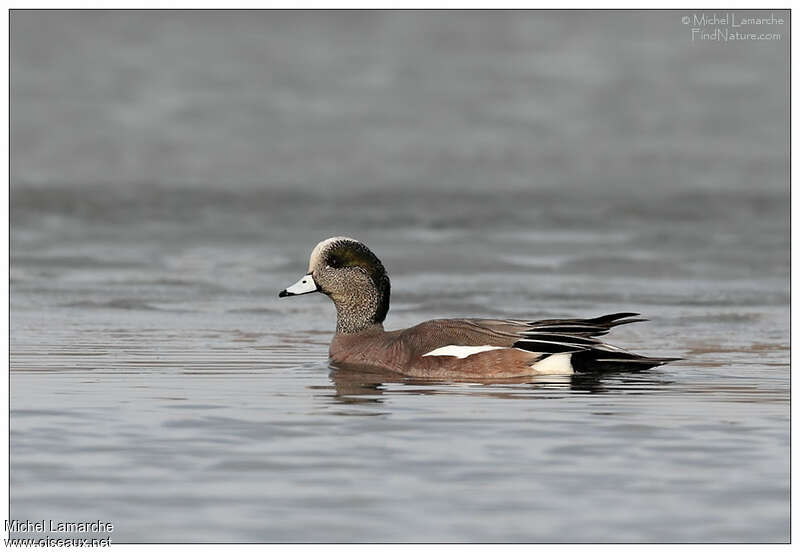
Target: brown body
403, 351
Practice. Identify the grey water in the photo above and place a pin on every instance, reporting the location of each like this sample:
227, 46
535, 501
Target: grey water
172, 171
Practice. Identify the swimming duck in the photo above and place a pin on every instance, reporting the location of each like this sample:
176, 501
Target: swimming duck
349, 273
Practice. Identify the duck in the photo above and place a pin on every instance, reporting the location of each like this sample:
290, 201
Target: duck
352, 276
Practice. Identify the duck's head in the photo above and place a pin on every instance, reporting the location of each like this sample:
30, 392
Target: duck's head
353, 277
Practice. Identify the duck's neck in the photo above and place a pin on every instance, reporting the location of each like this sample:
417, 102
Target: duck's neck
362, 308
355, 317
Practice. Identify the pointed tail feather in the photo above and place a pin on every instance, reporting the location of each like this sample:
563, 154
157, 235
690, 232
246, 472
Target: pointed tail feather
608, 318
587, 327
595, 361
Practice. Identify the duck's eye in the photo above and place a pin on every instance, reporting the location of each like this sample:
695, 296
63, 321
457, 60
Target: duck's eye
334, 262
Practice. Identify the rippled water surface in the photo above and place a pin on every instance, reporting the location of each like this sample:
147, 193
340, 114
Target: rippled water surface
158, 382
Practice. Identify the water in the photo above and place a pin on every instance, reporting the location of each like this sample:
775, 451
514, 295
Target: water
186, 165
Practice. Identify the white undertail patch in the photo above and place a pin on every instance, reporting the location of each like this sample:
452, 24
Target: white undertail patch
558, 363
461, 352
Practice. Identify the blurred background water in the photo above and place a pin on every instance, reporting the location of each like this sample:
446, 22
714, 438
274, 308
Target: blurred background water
171, 172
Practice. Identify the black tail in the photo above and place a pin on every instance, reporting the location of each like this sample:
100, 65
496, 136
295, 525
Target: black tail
598, 360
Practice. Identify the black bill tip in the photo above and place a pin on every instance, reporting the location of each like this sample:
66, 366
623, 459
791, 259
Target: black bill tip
284, 293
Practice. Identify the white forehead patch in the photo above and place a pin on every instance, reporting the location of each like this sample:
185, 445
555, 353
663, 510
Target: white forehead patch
316, 253
461, 351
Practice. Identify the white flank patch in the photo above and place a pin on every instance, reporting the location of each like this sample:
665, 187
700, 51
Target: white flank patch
461, 351
558, 363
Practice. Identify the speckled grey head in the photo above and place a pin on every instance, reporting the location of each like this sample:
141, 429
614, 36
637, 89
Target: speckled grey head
354, 278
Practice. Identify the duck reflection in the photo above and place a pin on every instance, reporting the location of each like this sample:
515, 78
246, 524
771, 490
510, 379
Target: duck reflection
358, 384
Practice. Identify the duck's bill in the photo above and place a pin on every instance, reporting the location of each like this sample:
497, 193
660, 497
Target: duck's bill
305, 285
